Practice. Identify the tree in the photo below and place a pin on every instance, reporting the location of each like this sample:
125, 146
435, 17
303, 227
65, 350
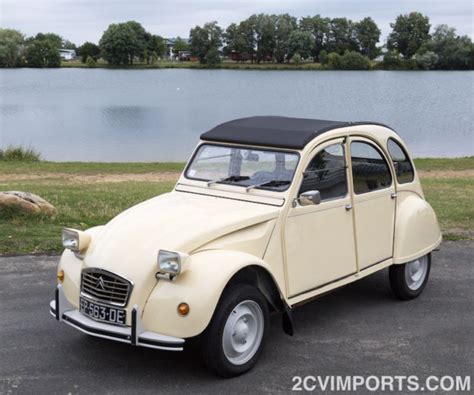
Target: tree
42, 53
68, 45
262, 28
285, 25
180, 45
249, 40
156, 44
205, 38
409, 33
319, 28
341, 36
123, 42
300, 42
88, 49
367, 35
54, 38
11, 46
213, 58
453, 51
234, 39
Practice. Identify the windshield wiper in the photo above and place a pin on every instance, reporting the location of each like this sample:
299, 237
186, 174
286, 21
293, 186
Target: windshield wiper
228, 179
271, 183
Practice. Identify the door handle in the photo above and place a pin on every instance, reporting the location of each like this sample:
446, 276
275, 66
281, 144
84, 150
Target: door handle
348, 207
394, 195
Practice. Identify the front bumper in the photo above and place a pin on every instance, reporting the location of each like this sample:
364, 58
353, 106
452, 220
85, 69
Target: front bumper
62, 310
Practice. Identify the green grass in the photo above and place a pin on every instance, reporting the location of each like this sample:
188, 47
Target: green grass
82, 205
79, 206
452, 200
430, 164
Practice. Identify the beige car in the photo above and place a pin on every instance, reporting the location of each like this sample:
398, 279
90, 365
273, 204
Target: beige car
269, 213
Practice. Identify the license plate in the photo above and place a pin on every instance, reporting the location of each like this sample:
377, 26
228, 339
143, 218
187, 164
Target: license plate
102, 313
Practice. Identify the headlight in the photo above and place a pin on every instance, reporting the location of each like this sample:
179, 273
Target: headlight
170, 263
75, 240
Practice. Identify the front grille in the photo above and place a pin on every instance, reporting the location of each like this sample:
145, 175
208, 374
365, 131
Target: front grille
106, 287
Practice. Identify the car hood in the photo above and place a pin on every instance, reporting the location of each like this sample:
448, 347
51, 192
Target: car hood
176, 221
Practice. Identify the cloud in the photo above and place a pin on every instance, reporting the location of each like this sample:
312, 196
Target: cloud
85, 20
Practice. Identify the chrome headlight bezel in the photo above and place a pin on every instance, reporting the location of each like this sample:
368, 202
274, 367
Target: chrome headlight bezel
70, 239
75, 240
170, 263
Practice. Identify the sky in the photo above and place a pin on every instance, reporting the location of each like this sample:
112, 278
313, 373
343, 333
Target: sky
85, 20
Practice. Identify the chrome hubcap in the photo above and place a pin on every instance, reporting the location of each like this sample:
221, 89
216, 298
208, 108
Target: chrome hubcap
243, 332
415, 272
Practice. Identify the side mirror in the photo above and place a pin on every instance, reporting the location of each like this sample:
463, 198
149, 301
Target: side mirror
309, 197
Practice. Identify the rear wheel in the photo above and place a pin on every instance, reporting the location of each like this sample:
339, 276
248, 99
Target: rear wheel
234, 339
409, 280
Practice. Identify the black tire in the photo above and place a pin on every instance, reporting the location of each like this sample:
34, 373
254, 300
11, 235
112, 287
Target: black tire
399, 284
212, 342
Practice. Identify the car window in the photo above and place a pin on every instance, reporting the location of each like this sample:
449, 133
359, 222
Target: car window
370, 171
326, 173
243, 166
403, 167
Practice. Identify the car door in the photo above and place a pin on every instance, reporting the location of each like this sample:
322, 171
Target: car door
373, 201
319, 238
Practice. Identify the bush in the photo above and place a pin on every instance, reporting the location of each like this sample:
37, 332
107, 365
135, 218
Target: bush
213, 58
354, 61
323, 57
90, 62
19, 154
333, 61
392, 60
296, 59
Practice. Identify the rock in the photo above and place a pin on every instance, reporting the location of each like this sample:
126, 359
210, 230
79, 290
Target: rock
24, 202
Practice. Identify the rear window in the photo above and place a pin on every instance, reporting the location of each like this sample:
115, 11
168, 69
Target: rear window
403, 167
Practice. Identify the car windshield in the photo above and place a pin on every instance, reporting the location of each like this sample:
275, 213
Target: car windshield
243, 166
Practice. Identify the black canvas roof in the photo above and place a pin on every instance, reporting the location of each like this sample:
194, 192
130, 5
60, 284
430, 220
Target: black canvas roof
273, 131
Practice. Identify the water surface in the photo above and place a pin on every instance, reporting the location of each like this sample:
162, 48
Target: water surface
158, 115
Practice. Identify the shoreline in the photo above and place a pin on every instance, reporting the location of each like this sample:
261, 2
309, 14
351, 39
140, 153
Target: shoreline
164, 65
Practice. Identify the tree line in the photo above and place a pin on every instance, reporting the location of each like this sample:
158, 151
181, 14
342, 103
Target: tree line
336, 43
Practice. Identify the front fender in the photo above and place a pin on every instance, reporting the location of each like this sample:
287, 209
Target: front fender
416, 229
200, 286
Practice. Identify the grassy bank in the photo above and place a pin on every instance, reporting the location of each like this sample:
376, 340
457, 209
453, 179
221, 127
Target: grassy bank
229, 65
90, 194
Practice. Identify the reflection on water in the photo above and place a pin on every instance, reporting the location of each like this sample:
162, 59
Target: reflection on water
157, 115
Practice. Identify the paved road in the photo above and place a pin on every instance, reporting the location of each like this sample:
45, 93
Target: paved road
358, 330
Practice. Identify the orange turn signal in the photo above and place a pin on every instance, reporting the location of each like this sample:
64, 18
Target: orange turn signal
60, 276
183, 309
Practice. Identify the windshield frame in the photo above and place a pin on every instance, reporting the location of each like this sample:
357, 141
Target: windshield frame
248, 147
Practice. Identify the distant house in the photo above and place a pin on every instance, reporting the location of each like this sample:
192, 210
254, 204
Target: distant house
67, 54
170, 47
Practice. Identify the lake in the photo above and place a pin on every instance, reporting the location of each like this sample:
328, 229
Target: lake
158, 115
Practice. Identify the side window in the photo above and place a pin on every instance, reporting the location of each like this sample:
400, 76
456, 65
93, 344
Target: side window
370, 171
326, 173
403, 167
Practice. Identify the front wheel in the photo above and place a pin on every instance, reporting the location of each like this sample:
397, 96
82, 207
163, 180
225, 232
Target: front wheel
234, 339
408, 280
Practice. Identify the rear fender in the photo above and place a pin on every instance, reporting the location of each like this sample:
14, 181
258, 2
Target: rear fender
416, 228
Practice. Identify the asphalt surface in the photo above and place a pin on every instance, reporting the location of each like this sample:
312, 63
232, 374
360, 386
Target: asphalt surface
360, 329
